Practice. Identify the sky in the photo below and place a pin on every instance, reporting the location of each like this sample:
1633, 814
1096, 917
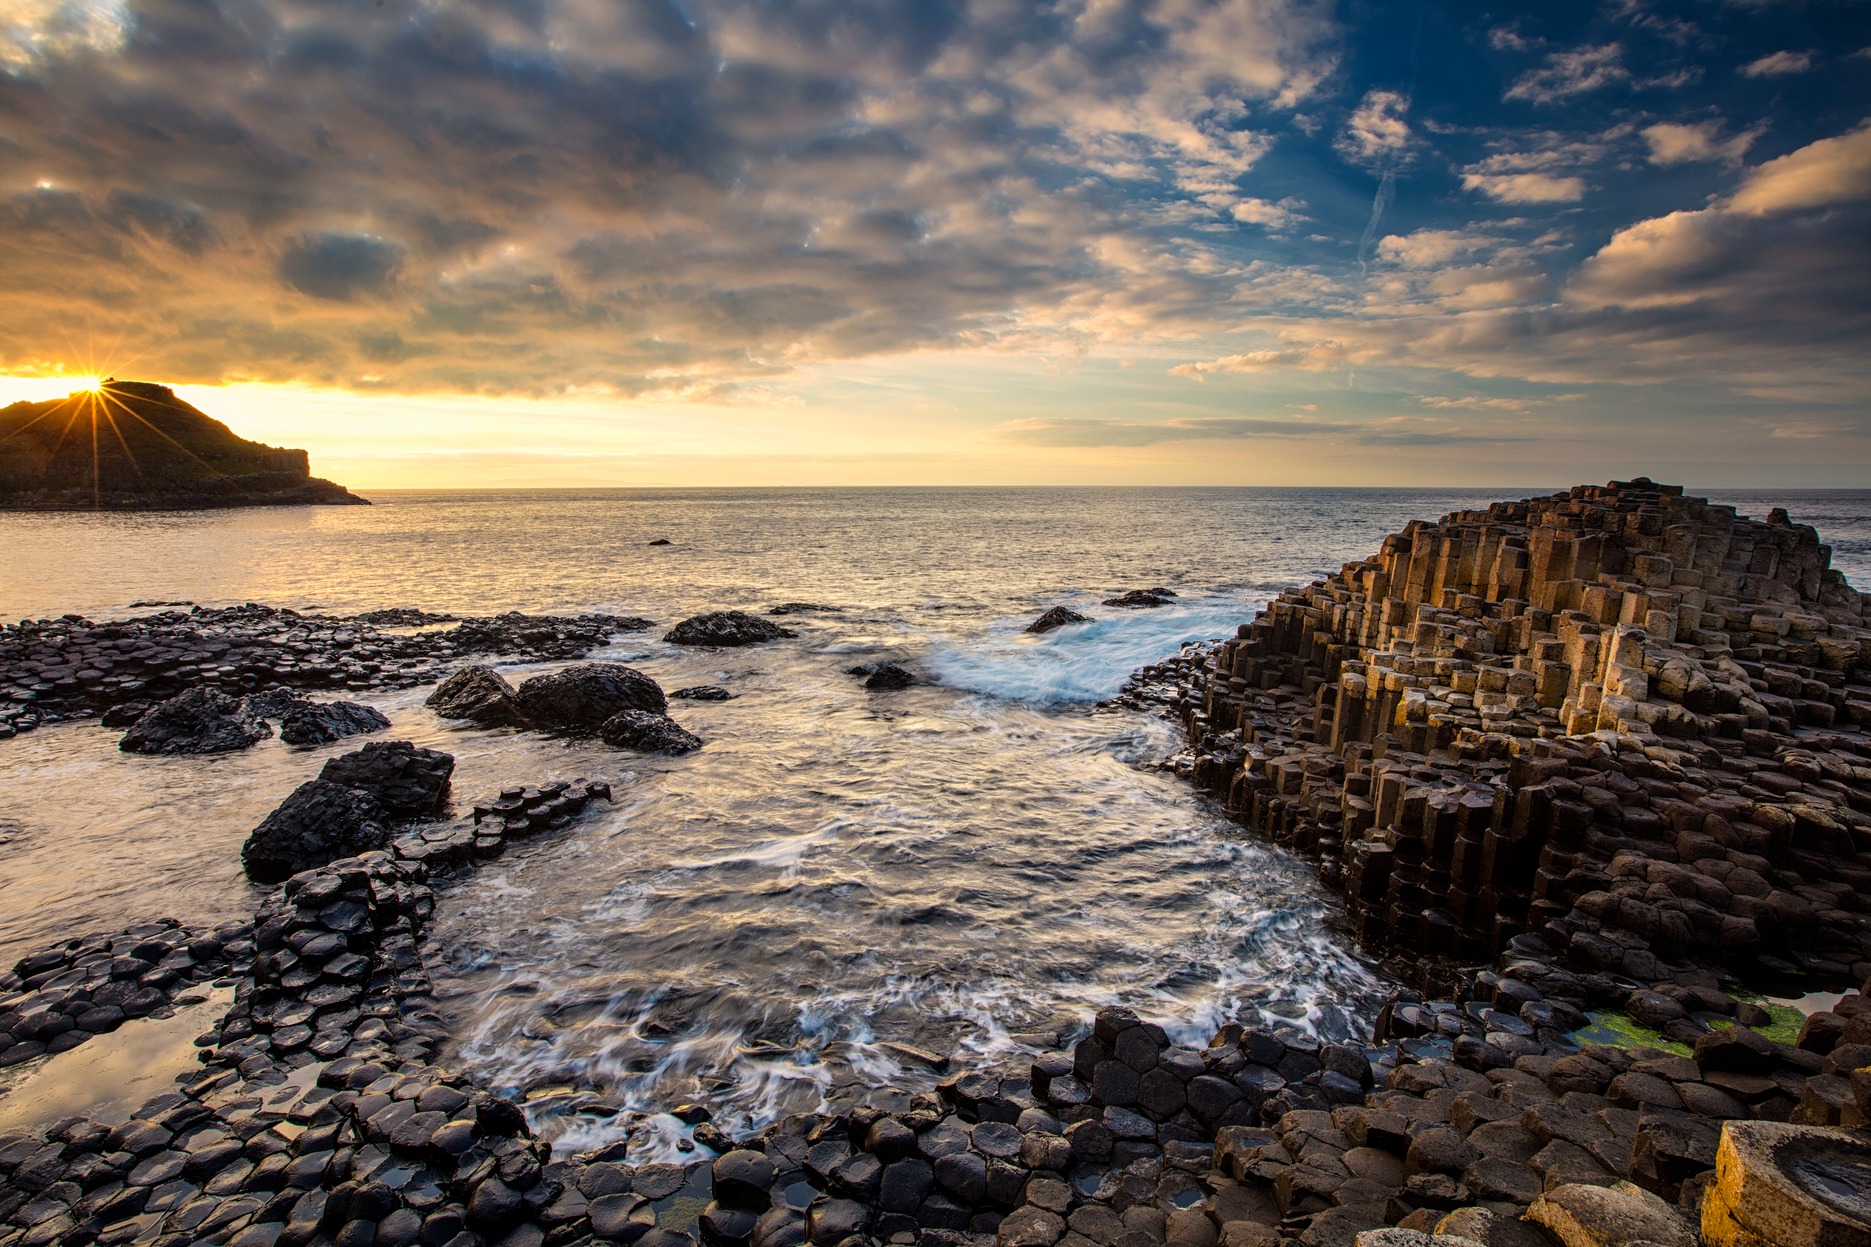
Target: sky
451, 243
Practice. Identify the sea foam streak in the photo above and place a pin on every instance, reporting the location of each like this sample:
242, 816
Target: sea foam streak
1079, 662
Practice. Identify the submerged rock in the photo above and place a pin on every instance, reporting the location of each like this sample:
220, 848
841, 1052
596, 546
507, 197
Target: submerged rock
320, 822
1057, 617
478, 694
704, 692
196, 722
804, 608
406, 781
648, 733
320, 723
726, 628
580, 698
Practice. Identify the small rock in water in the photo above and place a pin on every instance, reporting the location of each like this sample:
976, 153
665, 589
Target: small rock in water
804, 608
1142, 598
1057, 617
882, 675
320, 723
648, 733
662, 541
726, 628
198, 721
704, 692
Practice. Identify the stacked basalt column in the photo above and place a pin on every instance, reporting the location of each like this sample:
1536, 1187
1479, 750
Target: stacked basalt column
1599, 709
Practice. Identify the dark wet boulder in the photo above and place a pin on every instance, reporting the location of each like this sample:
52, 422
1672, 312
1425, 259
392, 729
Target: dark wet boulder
648, 733
1141, 598
198, 721
123, 714
320, 822
704, 692
272, 704
882, 676
726, 628
662, 541
320, 723
1057, 617
478, 694
804, 608
581, 697
405, 781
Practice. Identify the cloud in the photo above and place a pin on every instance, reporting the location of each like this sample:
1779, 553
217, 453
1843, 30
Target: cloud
340, 266
1432, 248
1526, 188
1566, 74
1830, 171
1316, 357
1673, 143
1377, 129
1093, 432
1272, 216
1775, 64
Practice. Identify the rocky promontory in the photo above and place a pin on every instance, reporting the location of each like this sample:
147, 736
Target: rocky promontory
135, 446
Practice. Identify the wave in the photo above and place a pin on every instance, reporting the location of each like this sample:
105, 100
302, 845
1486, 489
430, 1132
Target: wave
1080, 662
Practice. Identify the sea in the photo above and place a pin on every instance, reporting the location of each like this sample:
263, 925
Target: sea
843, 890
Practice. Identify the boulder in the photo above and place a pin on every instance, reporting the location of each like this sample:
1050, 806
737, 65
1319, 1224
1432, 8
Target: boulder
580, 698
196, 722
320, 723
1057, 617
726, 628
704, 692
320, 822
648, 733
1624, 1215
404, 781
478, 694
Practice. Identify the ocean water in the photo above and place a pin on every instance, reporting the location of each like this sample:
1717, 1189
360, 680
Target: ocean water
840, 879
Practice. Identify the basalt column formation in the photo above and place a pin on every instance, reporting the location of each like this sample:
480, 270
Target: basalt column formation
1630, 722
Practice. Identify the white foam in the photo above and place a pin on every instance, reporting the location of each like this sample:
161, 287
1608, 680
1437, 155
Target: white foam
1080, 662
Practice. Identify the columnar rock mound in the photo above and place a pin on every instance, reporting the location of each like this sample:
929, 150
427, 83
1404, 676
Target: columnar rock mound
153, 451
196, 722
354, 806
320, 723
407, 781
1628, 721
726, 629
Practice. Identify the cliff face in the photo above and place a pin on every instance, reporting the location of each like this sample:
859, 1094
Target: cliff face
1629, 722
136, 446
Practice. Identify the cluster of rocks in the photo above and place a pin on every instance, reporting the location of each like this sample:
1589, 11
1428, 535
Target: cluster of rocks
618, 704
70, 667
55, 1000
204, 720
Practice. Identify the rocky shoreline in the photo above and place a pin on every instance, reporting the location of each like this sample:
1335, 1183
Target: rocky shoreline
1590, 759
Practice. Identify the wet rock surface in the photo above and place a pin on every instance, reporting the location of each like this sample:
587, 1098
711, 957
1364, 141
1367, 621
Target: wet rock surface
1142, 598
581, 698
73, 668
726, 629
883, 676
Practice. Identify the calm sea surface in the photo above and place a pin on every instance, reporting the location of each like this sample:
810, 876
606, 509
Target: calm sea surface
962, 867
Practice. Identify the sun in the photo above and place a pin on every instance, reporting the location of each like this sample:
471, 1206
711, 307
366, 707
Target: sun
89, 385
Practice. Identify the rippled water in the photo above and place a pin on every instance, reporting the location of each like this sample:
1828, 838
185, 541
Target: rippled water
965, 867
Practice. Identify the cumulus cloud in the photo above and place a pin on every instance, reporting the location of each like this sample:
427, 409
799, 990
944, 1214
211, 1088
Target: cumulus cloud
1377, 130
1775, 64
1315, 357
1526, 188
1570, 73
1273, 216
1831, 171
1676, 143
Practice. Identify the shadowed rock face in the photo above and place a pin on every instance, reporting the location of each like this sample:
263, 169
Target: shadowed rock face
320, 723
580, 698
648, 733
154, 452
1057, 617
320, 822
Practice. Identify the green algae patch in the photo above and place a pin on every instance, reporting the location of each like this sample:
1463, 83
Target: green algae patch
1787, 1021
1621, 1030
